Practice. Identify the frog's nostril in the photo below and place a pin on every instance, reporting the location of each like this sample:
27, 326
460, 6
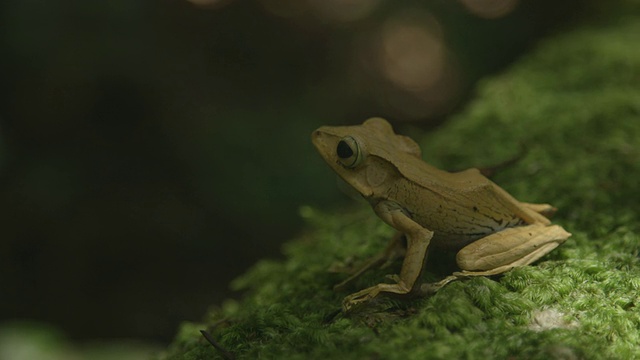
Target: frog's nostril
315, 137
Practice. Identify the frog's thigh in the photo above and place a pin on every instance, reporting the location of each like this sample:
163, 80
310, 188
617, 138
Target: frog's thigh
501, 251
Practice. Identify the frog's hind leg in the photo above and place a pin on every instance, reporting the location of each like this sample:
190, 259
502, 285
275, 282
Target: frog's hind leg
545, 210
502, 251
394, 250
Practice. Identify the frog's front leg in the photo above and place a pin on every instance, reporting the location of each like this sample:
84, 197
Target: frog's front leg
504, 250
418, 239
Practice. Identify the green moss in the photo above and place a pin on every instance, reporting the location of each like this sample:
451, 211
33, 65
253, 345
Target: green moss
575, 105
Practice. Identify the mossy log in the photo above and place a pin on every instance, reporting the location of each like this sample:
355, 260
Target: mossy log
574, 103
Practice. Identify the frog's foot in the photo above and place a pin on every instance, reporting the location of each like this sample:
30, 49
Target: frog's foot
545, 210
428, 289
362, 297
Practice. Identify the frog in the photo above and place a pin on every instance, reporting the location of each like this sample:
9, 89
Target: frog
464, 212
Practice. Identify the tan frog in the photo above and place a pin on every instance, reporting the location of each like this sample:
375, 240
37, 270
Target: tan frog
463, 211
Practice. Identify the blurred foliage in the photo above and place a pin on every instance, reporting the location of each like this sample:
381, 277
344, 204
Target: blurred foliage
36, 341
151, 151
575, 103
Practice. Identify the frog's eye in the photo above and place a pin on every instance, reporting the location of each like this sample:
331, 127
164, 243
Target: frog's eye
349, 152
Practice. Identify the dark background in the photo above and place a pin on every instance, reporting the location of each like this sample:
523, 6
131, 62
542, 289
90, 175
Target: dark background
152, 151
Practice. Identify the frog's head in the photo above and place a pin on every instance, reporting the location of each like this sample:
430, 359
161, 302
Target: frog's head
366, 155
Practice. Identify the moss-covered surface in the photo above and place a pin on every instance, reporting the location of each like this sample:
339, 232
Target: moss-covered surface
575, 105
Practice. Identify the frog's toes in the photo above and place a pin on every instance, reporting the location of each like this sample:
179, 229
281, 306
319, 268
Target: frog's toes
358, 299
428, 289
394, 277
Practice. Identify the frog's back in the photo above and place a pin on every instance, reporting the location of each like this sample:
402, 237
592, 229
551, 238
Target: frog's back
430, 177
459, 207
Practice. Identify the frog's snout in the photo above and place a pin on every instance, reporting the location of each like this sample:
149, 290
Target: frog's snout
318, 138
316, 134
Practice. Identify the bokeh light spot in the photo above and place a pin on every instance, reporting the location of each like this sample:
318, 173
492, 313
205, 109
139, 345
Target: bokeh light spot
408, 67
209, 3
285, 8
412, 56
343, 10
490, 9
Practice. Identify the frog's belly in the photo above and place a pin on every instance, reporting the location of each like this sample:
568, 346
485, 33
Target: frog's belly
454, 242
456, 236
